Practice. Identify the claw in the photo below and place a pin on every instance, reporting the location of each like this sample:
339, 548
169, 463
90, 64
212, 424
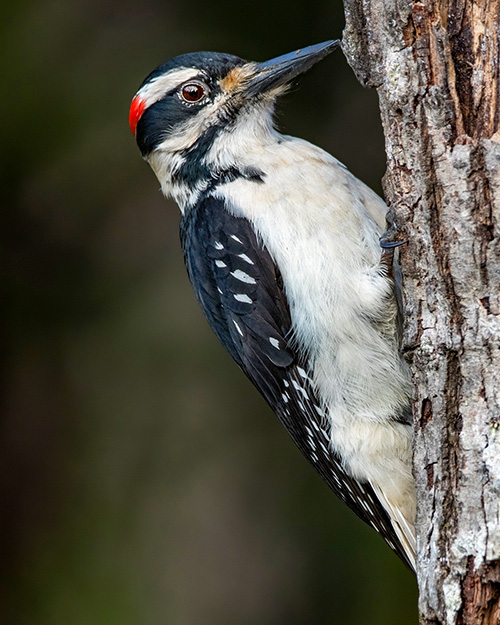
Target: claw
388, 240
387, 244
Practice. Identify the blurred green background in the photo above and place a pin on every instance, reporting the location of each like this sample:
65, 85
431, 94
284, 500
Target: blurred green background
143, 481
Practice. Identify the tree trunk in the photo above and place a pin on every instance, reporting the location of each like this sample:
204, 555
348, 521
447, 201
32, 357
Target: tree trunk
435, 65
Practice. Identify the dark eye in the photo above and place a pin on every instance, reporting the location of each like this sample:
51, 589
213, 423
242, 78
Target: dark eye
193, 91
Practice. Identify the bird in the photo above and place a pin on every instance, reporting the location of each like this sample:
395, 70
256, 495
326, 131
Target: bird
289, 258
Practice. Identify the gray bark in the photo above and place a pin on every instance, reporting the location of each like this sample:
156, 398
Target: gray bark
435, 65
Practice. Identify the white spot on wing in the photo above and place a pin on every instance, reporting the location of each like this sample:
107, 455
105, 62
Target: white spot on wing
238, 328
303, 374
244, 277
300, 389
218, 245
246, 259
275, 343
220, 263
319, 411
365, 505
233, 236
242, 297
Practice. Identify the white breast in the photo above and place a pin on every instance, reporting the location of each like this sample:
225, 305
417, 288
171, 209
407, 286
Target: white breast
322, 227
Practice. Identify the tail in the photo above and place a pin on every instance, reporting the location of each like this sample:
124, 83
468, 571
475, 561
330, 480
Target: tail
403, 522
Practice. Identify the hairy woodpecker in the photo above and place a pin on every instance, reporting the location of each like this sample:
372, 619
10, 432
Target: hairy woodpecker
282, 247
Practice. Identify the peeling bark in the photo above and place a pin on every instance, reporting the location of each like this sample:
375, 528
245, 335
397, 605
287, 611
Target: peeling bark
435, 65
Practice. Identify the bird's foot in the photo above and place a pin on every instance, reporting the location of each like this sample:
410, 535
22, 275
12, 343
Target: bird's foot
390, 240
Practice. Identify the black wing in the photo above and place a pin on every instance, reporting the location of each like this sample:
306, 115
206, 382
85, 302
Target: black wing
240, 291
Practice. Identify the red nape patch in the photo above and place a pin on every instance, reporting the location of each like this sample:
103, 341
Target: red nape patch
136, 110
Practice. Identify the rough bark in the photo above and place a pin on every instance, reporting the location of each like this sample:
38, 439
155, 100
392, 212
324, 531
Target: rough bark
435, 65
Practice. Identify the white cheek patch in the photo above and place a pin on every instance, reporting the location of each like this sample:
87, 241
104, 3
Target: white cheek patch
158, 87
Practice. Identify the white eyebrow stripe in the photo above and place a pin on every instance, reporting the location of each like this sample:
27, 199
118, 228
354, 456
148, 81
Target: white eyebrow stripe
159, 86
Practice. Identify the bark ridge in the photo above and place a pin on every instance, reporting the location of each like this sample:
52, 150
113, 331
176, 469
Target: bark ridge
435, 65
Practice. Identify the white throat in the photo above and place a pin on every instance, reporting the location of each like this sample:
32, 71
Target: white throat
235, 146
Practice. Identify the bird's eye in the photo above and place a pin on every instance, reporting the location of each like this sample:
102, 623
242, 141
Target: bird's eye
193, 91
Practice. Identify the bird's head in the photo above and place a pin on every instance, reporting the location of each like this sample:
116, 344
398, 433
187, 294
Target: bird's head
197, 113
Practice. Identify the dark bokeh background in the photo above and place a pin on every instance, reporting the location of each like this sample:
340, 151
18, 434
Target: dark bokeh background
143, 481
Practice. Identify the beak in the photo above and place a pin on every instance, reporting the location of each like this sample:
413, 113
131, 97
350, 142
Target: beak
282, 69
